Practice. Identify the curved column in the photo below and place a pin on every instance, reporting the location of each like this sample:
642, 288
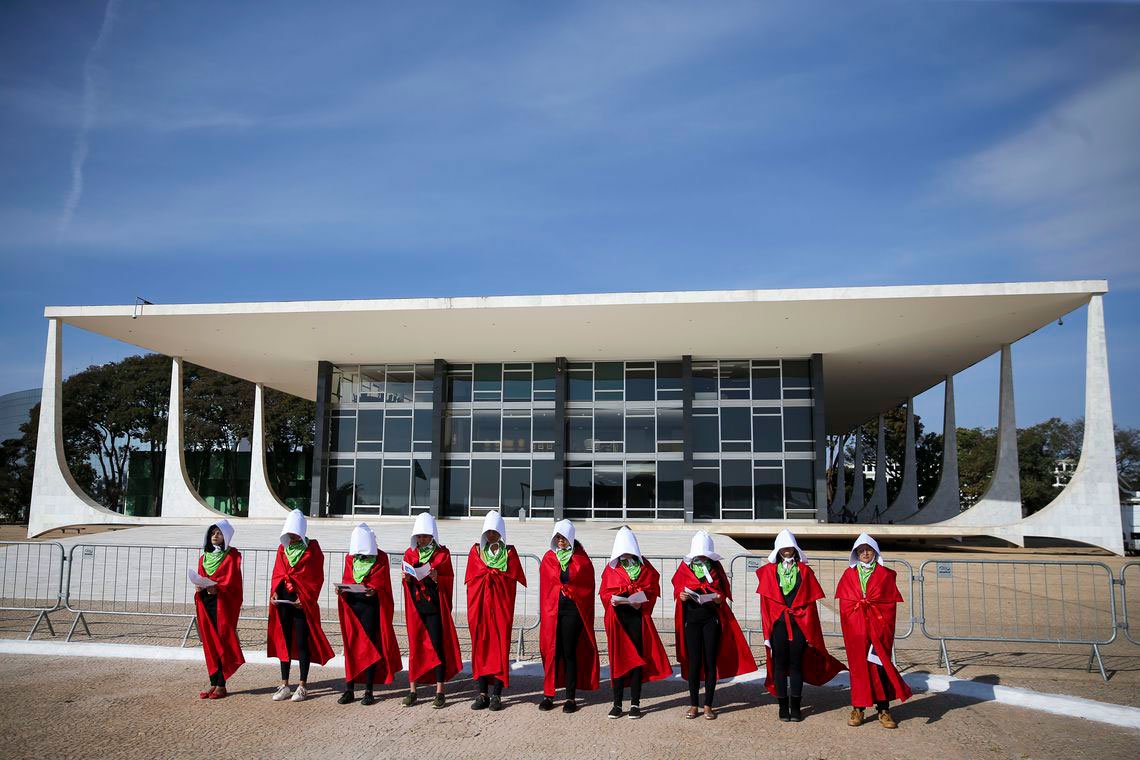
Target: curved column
877, 504
857, 498
946, 501
906, 503
263, 502
839, 501
57, 500
179, 499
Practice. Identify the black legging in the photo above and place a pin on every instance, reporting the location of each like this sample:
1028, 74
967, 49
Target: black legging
210, 602
787, 659
433, 622
367, 611
702, 645
491, 682
888, 689
630, 621
296, 631
568, 631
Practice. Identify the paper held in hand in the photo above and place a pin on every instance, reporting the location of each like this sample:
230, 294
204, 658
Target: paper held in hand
197, 580
698, 597
419, 573
286, 602
637, 598
354, 588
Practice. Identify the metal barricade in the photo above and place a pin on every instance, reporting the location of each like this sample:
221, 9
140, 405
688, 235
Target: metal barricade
1129, 589
31, 579
1028, 601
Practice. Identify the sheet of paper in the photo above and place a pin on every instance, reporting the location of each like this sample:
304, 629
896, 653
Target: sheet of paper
615, 599
872, 657
355, 588
419, 573
287, 602
700, 598
197, 580
638, 598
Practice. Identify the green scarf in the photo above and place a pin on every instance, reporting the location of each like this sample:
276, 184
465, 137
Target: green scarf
564, 556
293, 552
211, 560
632, 568
361, 564
701, 569
497, 561
788, 575
865, 574
426, 552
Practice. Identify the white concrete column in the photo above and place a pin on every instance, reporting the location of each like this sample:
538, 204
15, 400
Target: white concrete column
877, 504
906, 503
839, 501
57, 500
179, 499
857, 500
946, 501
263, 502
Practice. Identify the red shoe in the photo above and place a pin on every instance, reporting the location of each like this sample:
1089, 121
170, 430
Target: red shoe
218, 694
204, 694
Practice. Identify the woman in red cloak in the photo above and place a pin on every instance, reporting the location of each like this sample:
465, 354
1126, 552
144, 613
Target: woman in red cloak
868, 596
629, 591
566, 622
294, 613
493, 574
218, 607
788, 613
710, 644
370, 646
433, 645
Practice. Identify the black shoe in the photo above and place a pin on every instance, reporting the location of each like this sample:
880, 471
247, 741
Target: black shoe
634, 712
570, 707
496, 703
794, 710
481, 702
615, 712
439, 702
785, 716
368, 699
546, 704
346, 698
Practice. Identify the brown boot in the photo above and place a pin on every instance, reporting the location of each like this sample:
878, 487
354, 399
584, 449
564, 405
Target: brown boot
856, 717
885, 719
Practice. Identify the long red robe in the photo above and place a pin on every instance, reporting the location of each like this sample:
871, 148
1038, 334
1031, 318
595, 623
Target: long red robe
819, 666
221, 645
360, 652
735, 657
491, 613
869, 619
624, 656
422, 657
306, 578
580, 589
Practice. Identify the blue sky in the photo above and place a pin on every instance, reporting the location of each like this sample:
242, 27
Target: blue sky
214, 151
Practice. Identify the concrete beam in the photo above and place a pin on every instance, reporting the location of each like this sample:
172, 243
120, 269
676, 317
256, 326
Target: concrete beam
263, 501
946, 501
179, 499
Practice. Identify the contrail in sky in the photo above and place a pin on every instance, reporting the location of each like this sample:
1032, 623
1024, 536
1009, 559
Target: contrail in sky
90, 103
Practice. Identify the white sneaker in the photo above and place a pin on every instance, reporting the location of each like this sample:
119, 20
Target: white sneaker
300, 694
281, 694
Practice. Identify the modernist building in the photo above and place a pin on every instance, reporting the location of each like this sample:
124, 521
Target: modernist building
685, 406
14, 409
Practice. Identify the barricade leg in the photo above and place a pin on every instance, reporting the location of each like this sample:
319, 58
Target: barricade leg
192, 626
944, 656
1095, 654
78, 619
42, 617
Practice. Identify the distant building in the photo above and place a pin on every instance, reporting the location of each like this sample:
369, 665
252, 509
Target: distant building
14, 409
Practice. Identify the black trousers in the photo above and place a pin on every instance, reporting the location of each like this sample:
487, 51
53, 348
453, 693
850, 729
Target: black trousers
630, 621
296, 631
702, 644
787, 659
567, 633
433, 622
210, 602
367, 611
888, 689
492, 683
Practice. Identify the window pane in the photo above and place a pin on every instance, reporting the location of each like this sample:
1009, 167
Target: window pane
670, 429
371, 384
766, 433
706, 493
608, 380
765, 383
425, 379
488, 382
398, 433
516, 490
734, 379
421, 424
797, 423
670, 486
421, 482
769, 496
456, 433
544, 424
579, 486
797, 374
607, 490
397, 491
399, 388
544, 381
370, 425
340, 484
458, 387
639, 434
640, 385
580, 434
368, 481
542, 484
608, 429
581, 383
484, 485
342, 433
704, 380
736, 484
486, 425
641, 488
455, 487
669, 381
735, 423
706, 432
516, 433
516, 386
799, 489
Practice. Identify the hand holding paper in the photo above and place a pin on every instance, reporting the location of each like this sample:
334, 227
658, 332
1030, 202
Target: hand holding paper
419, 573
197, 580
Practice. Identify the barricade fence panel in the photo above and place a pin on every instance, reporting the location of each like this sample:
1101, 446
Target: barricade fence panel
1130, 601
31, 575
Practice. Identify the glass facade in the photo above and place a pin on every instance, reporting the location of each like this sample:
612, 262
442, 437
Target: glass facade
751, 434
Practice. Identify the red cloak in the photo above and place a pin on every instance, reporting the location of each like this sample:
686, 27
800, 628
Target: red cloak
819, 667
869, 620
221, 645
735, 657
624, 657
360, 651
581, 590
422, 657
491, 613
306, 579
